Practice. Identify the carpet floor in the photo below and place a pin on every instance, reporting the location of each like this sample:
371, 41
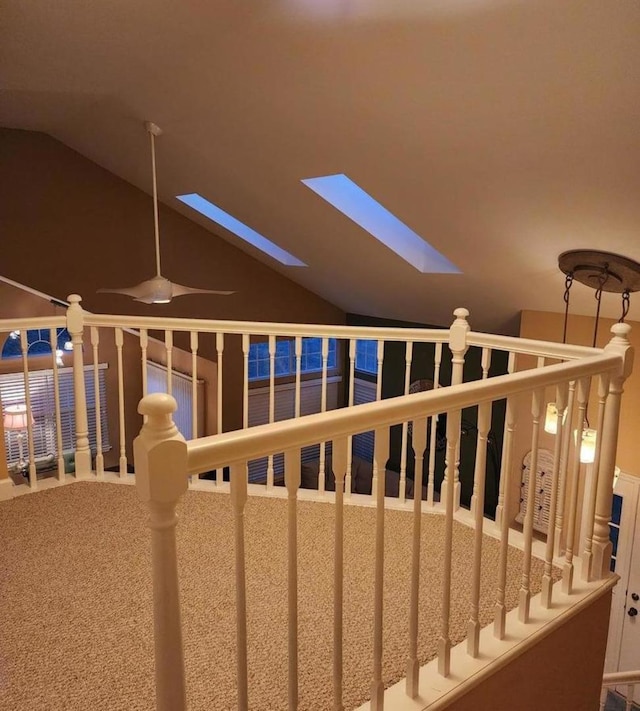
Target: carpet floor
76, 629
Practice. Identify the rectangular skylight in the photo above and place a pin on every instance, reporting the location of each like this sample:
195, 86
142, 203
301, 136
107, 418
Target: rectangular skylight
341, 192
229, 222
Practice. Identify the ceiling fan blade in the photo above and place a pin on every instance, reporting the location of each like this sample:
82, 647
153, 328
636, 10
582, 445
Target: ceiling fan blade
135, 291
181, 290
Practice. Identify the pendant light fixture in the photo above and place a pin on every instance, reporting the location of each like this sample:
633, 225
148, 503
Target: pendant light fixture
602, 271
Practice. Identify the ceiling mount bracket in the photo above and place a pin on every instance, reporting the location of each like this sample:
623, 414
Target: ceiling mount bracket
589, 266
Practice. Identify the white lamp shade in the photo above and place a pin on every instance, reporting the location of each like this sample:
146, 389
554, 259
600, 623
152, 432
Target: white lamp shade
15, 417
551, 418
588, 446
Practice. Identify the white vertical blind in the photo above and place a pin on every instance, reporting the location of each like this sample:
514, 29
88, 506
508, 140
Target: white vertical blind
159, 381
284, 408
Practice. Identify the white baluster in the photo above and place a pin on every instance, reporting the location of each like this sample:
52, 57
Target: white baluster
434, 427
53, 339
505, 493
119, 340
485, 362
567, 569
238, 485
144, 343
95, 341
419, 440
272, 402
601, 541
220, 353
479, 477
537, 406
298, 356
161, 478
376, 470
339, 468
168, 346
603, 391
24, 346
458, 347
245, 380
505, 475
408, 357
75, 326
323, 408
292, 482
352, 367
444, 644
559, 537
193, 343
381, 454
547, 581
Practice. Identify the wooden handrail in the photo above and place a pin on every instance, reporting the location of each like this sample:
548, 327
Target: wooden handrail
242, 445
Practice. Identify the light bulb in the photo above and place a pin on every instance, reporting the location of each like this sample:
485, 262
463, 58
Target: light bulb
588, 446
551, 418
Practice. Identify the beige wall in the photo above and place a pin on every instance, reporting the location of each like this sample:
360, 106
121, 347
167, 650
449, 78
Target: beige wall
563, 672
72, 227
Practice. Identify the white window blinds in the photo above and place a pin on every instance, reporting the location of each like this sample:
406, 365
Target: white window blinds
284, 409
41, 391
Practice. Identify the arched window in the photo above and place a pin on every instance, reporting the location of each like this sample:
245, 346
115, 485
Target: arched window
38, 342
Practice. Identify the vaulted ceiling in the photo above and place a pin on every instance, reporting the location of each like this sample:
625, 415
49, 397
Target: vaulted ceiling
504, 132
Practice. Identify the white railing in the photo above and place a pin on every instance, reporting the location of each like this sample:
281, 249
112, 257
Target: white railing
627, 680
164, 461
166, 464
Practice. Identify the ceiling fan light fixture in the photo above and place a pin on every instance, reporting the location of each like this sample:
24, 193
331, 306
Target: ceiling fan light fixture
158, 289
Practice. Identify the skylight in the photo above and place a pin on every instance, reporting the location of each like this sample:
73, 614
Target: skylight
356, 204
224, 219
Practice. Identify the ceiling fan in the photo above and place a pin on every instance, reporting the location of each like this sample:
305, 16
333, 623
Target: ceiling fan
158, 289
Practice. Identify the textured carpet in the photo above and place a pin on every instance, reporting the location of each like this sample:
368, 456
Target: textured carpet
76, 606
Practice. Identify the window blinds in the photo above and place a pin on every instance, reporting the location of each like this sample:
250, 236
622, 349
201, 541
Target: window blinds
41, 391
363, 443
284, 409
181, 390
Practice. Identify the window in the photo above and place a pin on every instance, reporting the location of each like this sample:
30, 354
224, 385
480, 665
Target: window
41, 391
285, 358
284, 409
367, 356
42, 395
38, 343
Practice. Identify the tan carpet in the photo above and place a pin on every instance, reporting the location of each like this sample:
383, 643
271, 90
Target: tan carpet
75, 599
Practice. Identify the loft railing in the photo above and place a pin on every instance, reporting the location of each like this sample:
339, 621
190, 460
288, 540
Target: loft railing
627, 680
164, 462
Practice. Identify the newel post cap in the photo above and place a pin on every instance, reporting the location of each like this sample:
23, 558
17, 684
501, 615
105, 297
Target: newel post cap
157, 406
75, 315
620, 343
160, 452
458, 331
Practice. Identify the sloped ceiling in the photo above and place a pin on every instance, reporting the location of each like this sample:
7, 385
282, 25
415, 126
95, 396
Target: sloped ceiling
503, 131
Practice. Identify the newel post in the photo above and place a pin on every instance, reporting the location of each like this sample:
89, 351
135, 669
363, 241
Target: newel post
75, 326
160, 455
458, 346
609, 441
